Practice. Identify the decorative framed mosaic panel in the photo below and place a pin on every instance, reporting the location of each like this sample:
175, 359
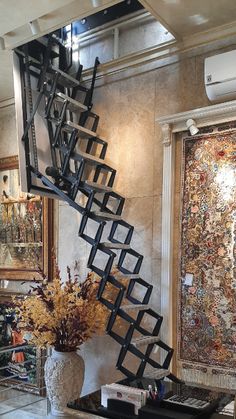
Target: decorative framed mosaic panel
207, 286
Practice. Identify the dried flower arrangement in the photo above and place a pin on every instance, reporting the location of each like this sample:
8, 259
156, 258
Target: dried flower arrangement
62, 315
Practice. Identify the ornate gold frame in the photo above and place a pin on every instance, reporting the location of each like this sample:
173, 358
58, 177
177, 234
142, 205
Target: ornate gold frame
10, 163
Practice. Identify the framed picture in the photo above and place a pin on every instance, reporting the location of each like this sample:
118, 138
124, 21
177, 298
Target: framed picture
26, 228
21, 364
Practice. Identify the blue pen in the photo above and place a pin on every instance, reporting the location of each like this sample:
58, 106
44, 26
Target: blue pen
162, 389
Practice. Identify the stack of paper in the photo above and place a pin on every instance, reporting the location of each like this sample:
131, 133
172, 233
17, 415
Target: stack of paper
228, 410
132, 395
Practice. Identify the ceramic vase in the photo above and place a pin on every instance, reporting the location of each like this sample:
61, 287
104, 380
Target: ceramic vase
64, 376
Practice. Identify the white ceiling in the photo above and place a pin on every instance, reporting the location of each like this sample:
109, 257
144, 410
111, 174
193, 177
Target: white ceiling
187, 17
14, 14
184, 18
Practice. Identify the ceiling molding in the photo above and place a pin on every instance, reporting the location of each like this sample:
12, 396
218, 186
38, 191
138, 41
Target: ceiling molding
209, 115
165, 54
156, 57
153, 58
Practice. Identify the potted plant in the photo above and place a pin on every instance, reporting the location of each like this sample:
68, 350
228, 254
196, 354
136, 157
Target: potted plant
62, 315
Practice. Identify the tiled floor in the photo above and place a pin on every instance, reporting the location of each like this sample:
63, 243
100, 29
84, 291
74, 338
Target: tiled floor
15, 404
21, 405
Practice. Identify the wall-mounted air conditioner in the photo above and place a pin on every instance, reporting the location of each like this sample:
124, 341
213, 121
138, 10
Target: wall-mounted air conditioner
220, 76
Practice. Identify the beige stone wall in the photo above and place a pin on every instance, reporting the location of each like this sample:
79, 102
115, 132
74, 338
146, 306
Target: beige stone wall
128, 108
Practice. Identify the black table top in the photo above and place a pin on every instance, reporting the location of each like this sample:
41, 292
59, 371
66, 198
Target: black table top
92, 402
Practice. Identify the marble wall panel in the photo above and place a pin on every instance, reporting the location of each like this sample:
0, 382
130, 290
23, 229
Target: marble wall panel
188, 88
72, 251
101, 47
139, 213
107, 105
129, 105
137, 37
155, 300
180, 87
137, 136
168, 98
99, 369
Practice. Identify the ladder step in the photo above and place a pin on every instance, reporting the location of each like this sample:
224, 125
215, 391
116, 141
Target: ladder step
144, 341
80, 155
107, 216
156, 373
133, 307
64, 79
110, 245
74, 105
98, 187
43, 41
122, 275
83, 132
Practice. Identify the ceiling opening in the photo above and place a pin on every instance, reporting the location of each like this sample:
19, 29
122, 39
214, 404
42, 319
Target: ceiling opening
115, 32
108, 15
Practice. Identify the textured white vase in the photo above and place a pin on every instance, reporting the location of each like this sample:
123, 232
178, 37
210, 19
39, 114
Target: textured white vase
64, 377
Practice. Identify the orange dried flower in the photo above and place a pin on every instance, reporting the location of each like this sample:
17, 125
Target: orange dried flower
63, 315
